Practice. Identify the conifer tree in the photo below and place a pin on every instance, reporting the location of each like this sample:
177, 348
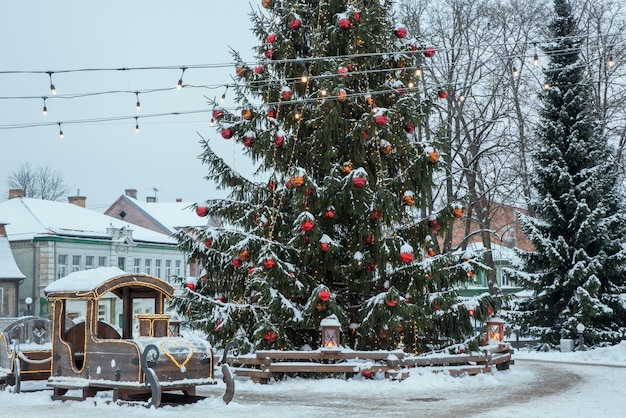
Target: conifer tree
344, 225
577, 271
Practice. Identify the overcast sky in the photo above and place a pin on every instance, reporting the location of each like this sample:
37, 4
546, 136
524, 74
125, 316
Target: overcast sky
101, 159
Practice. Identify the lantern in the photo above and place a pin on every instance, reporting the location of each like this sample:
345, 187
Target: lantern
495, 330
331, 329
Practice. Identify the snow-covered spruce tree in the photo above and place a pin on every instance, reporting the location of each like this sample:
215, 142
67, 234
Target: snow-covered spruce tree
342, 226
577, 271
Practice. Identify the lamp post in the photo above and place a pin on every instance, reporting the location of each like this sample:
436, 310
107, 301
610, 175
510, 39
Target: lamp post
29, 301
581, 342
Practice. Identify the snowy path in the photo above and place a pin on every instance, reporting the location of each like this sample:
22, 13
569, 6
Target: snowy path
529, 389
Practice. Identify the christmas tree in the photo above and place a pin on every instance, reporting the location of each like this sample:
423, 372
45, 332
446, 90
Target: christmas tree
345, 224
576, 272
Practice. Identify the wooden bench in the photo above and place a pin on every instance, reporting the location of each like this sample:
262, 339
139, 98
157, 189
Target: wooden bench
264, 365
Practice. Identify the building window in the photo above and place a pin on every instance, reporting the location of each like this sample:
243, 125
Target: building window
2, 303
75, 263
168, 270
157, 268
102, 261
147, 266
177, 269
61, 266
137, 265
121, 263
88, 262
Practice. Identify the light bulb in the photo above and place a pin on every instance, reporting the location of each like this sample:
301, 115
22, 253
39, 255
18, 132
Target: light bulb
610, 62
546, 86
462, 98
223, 98
323, 92
45, 108
136, 125
305, 76
138, 105
515, 72
180, 84
60, 131
536, 60
212, 122
418, 72
53, 89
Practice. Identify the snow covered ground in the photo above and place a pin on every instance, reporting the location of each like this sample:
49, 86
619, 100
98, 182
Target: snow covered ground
576, 384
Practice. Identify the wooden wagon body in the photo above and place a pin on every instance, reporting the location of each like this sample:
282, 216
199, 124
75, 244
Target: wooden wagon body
143, 361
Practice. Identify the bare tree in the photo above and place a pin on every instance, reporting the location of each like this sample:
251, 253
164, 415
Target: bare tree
40, 183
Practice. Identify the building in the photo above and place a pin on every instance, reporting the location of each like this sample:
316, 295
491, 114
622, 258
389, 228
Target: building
52, 239
164, 217
10, 277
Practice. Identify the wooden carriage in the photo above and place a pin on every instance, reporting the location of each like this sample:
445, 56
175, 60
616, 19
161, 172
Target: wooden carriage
141, 362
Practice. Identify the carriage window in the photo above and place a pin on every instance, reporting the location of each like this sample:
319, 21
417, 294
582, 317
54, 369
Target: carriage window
88, 262
137, 265
61, 266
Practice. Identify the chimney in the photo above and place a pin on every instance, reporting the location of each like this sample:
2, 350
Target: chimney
3, 231
14, 193
151, 199
131, 193
77, 200
179, 200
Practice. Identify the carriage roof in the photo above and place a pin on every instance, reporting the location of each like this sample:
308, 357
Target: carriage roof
92, 284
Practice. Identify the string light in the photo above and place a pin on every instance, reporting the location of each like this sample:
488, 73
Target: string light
45, 108
323, 92
212, 122
180, 80
418, 72
136, 124
138, 105
223, 98
305, 77
60, 130
461, 97
546, 86
536, 60
515, 72
610, 62
53, 89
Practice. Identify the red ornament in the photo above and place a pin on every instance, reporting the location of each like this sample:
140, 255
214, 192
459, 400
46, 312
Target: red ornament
268, 53
324, 246
429, 51
270, 336
248, 141
382, 334
391, 302
409, 128
442, 94
406, 257
271, 38
191, 286
208, 243
343, 71
381, 120
329, 214
269, 263
227, 133
430, 252
489, 311
357, 16
271, 185
295, 23
324, 295
371, 267
434, 225
271, 113
366, 374
202, 211
286, 93
472, 311
359, 182
344, 23
280, 140
370, 239
307, 225
240, 70
218, 114
401, 32
259, 69
376, 214
236, 262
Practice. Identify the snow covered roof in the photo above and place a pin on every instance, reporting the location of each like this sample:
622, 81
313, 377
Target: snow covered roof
28, 218
170, 216
8, 267
96, 282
